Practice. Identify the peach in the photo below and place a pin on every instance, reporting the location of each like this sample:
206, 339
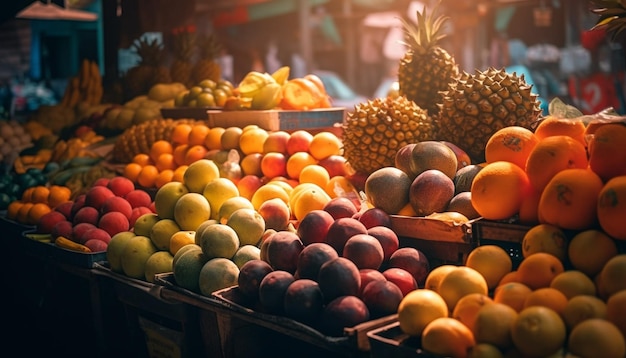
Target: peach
304, 301
79, 202
339, 277
117, 203
462, 158
341, 312
62, 228
382, 298
402, 278
120, 185
80, 229
250, 276
341, 230
375, 217
136, 213
114, 222
248, 184
388, 239
276, 214
137, 198
272, 290
97, 195
251, 164
402, 159
369, 275
312, 258
86, 214
314, 226
97, 234
283, 251
335, 165
65, 208
96, 245
365, 251
299, 141
276, 142
45, 223
274, 164
413, 261
340, 207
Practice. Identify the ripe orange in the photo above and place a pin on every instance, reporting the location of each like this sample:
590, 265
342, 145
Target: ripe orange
197, 134
179, 173
581, 308
339, 185
499, 189
165, 161
58, 195
545, 238
552, 155
132, 170
466, 309
180, 133
491, 261
164, 177
142, 159
529, 210
570, 199
418, 309
447, 337
159, 147
461, 281
14, 208
436, 275
195, 153
36, 212
213, 139
538, 332
179, 153
40, 194
552, 126
589, 250
22, 213
147, 176
251, 140
512, 294
596, 337
547, 297
324, 144
612, 206
493, 325
539, 269
512, 144
616, 310
573, 283
314, 173
296, 162
27, 195
509, 277
607, 151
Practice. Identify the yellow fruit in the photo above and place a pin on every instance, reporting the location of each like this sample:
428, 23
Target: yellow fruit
491, 261
324, 144
217, 191
612, 275
158, 262
166, 197
596, 338
230, 205
493, 325
538, 332
573, 283
191, 210
115, 249
186, 269
436, 275
199, 173
459, 282
267, 192
309, 200
248, 224
581, 308
447, 337
216, 274
134, 256
616, 310
161, 233
219, 240
512, 294
251, 140
589, 250
180, 239
484, 350
418, 308
184, 249
466, 309
245, 254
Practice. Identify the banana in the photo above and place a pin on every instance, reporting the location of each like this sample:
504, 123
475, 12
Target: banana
66, 243
268, 97
281, 75
39, 237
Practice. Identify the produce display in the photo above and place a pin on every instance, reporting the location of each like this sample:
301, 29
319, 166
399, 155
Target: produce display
303, 223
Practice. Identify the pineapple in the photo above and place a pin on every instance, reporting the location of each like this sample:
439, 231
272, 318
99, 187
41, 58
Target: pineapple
426, 68
149, 71
612, 16
206, 67
377, 129
184, 45
477, 105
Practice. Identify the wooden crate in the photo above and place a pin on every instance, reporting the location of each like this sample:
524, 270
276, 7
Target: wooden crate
273, 120
390, 342
509, 236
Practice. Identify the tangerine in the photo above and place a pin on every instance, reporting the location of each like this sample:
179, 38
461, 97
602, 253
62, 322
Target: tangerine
159, 147
539, 269
607, 151
512, 144
553, 126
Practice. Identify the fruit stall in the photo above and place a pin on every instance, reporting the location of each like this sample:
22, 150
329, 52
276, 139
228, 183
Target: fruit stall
204, 218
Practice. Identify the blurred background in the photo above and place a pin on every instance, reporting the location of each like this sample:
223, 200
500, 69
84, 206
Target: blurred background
353, 44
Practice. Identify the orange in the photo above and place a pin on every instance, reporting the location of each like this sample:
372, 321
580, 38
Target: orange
58, 195
570, 199
539, 269
491, 261
512, 294
213, 139
447, 337
197, 134
509, 277
529, 209
581, 308
612, 206
132, 170
142, 159
14, 208
27, 195
612, 275
22, 213
493, 325
267, 192
194, 153
147, 176
461, 281
466, 309
547, 297
339, 185
607, 151
179, 153
512, 144
436, 275
180, 239
538, 332
418, 309
573, 283
314, 173
230, 138
552, 155
164, 177
251, 140
552, 126
309, 200
545, 238
165, 161
616, 310
296, 162
179, 173
324, 144
499, 189
180, 133
596, 337
589, 250
40, 194
159, 147
406, 210
36, 212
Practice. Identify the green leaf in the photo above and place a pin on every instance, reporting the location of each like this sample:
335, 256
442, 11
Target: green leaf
559, 109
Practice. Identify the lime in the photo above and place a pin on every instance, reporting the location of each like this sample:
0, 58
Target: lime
5, 200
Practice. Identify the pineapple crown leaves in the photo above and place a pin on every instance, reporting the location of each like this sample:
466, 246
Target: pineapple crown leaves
149, 51
184, 41
209, 46
426, 33
612, 16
